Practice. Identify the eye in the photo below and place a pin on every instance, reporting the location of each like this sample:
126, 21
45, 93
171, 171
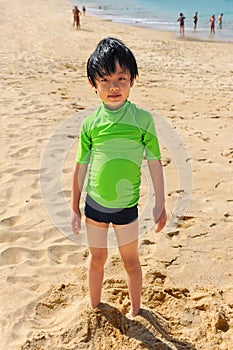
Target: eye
103, 80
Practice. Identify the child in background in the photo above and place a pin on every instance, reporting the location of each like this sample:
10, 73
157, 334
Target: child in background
212, 25
181, 20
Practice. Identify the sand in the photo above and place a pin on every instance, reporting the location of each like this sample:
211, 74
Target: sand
187, 300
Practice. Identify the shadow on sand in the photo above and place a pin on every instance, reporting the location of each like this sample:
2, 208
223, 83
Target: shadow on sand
148, 328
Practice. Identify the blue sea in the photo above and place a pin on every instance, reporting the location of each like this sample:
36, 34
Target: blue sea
163, 14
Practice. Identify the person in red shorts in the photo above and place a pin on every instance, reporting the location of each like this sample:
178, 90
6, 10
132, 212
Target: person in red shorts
212, 25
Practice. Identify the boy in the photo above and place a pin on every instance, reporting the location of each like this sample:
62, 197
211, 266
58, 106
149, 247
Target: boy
113, 140
181, 20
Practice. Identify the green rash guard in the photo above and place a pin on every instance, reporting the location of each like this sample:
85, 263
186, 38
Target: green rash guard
114, 142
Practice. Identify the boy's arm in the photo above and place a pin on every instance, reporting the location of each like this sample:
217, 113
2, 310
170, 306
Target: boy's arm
159, 211
78, 178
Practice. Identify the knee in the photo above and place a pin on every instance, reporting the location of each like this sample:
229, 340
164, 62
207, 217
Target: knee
132, 265
97, 261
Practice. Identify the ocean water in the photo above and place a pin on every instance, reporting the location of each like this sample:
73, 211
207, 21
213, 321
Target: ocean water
163, 14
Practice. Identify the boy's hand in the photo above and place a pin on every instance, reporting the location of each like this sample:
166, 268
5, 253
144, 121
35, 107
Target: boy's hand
76, 222
160, 217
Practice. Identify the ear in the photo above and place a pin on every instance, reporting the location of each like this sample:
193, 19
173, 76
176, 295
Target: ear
132, 82
92, 86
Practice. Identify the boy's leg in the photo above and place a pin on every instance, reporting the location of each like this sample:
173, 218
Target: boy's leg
129, 254
97, 242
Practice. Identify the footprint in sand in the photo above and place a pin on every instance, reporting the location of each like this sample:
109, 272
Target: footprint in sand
23, 152
153, 296
228, 217
25, 172
10, 221
177, 293
36, 195
65, 253
176, 193
118, 291
228, 154
31, 282
154, 277
56, 298
17, 255
186, 221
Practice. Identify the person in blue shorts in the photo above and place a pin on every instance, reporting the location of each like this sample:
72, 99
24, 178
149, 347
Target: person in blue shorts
220, 21
113, 141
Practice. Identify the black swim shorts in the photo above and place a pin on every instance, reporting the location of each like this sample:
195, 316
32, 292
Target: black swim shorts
117, 216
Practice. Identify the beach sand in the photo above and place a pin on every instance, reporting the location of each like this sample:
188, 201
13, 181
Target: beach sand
187, 272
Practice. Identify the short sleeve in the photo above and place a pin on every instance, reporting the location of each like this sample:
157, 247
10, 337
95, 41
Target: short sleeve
84, 146
150, 141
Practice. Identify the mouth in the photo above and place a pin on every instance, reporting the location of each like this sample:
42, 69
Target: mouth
114, 96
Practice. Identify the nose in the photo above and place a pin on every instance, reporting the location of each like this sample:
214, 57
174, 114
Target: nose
114, 86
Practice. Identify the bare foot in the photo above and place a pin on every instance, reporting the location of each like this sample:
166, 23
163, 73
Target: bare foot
131, 315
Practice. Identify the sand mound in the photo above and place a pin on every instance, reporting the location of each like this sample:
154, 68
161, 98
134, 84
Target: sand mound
69, 324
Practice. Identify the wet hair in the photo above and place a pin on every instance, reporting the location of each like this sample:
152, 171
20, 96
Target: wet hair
103, 60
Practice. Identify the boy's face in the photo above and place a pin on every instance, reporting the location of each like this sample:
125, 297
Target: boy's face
114, 89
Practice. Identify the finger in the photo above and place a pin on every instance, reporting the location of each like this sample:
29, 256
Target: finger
76, 226
76, 231
76, 222
161, 224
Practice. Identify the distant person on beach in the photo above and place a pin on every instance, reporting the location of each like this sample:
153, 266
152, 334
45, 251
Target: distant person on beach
212, 25
181, 20
113, 141
84, 10
76, 14
195, 19
220, 21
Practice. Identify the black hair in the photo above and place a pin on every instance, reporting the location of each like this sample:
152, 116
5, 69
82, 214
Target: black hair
103, 60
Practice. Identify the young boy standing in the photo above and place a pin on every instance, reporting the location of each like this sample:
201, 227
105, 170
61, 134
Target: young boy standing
113, 141
181, 20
